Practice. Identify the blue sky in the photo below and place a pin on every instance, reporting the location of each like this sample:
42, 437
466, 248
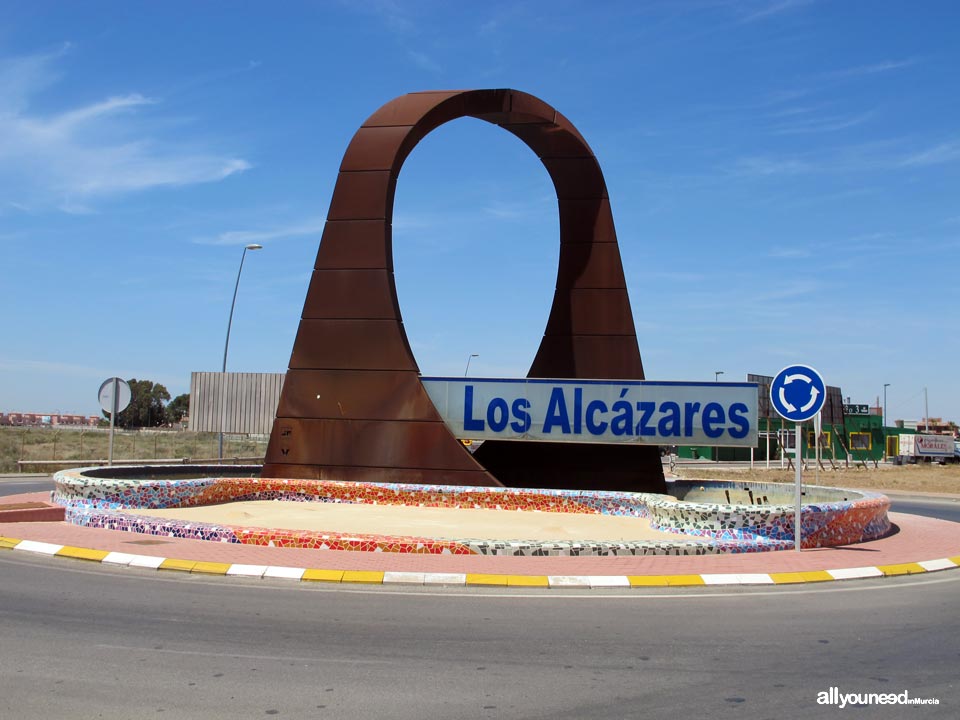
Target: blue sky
784, 176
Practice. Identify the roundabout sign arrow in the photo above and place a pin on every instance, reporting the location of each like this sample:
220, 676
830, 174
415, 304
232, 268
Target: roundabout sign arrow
797, 393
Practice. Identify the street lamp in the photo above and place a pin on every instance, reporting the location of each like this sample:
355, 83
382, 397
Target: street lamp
226, 345
885, 386
884, 421
716, 375
468, 363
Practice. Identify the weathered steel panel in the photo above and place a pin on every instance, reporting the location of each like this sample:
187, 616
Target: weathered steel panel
369, 443
593, 311
586, 220
591, 265
351, 345
590, 356
411, 110
355, 245
356, 395
375, 148
362, 196
590, 332
360, 294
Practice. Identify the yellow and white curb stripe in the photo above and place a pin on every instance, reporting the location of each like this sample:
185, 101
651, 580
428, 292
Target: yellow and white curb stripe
377, 577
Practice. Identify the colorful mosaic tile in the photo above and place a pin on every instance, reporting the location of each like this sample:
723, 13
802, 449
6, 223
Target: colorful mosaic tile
724, 528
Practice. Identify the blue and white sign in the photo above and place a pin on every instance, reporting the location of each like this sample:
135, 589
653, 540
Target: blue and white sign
797, 393
598, 411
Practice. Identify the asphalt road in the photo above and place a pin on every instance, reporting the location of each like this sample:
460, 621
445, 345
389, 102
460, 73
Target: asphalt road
12, 485
87, 641
943, 508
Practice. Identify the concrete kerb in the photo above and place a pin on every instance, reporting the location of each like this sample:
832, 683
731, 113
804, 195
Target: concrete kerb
789, 574
392, 578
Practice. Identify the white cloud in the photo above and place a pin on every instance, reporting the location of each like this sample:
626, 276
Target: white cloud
395, 16
873, 69
788, 253
312, 226
812, 124
766, 166
769, 9
942, 153
881, 156
75, 157
423, 61
46, 366
21, 77
507, 211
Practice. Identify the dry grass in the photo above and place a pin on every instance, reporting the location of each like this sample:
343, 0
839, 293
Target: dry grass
913, 478
86, 446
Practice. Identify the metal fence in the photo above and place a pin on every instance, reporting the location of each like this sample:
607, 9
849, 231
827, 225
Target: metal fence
234, 402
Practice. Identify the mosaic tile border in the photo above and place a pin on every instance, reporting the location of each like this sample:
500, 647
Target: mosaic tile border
724, 528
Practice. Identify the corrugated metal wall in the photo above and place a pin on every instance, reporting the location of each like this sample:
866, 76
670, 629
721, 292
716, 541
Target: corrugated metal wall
247, 402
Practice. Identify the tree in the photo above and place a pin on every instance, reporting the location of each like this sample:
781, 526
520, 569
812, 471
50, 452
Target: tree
146, 408
178, 407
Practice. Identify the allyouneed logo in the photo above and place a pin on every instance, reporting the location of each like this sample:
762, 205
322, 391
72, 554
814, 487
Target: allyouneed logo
833, 696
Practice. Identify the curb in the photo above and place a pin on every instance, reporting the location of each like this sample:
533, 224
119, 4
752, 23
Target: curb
379, 577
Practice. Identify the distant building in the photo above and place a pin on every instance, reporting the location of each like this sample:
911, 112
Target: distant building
934, 426
48, 420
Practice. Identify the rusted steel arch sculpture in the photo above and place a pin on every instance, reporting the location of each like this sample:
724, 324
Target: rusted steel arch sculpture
353, 406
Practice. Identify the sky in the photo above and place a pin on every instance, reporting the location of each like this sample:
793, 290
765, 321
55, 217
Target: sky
784, 177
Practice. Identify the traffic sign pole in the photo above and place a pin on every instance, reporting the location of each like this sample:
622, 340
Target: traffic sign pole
797, 394
114, 396
113, 417
797, 497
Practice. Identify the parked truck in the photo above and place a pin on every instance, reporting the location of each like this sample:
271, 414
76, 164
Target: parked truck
927, 448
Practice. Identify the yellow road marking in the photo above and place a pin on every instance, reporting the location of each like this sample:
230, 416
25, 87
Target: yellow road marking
527, 581
362, 576
803, 576
684, 580
182, 565
324, 575
486, 579
647, 580
901, 569
81, 553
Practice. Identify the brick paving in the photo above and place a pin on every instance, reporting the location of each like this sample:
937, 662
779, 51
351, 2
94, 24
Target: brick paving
917, 539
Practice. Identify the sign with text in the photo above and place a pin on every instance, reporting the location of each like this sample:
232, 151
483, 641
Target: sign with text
856, 409
598, 411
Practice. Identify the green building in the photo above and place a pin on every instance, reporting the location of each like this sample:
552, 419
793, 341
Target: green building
860, 438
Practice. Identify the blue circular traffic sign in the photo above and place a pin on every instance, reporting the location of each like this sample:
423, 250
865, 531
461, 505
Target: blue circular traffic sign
797, 393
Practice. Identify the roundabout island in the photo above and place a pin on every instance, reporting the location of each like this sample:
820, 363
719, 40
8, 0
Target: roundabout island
695, 518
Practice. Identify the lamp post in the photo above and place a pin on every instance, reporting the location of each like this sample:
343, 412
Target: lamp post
716, 375
885, 386
226, 345
472, 356
884, 421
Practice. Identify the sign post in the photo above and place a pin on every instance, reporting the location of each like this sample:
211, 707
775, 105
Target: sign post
114, 396
797, 393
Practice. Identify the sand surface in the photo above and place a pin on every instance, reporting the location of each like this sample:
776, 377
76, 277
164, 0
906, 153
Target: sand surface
927, 477
421, 522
